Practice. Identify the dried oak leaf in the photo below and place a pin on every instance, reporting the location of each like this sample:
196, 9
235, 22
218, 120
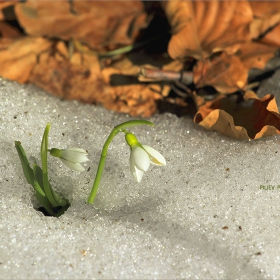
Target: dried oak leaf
252, 118
18, 56
200, 28
229, 73
99, 24
225, 72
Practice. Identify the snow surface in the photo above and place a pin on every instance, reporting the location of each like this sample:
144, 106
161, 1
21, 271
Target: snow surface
212, 212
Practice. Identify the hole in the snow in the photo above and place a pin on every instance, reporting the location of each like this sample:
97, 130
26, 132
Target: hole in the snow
58, 210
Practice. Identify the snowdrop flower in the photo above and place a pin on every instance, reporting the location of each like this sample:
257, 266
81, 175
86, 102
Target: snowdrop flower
71, 157
141, 156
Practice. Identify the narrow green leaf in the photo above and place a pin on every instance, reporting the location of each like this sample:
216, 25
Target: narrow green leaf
27, 170
38, 188
44, 158
45, 203
38, 185
38, 174
60, 201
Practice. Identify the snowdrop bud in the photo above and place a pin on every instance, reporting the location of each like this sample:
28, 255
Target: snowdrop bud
71, 157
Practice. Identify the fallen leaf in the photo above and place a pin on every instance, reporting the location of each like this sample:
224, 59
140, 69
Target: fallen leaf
82, 78
201, 27
256, 54
18, 57
229, 73
79, 78
266, 17
251, 118
265, 9
272, 37
99, 24
6, 10
225, 72
7, 31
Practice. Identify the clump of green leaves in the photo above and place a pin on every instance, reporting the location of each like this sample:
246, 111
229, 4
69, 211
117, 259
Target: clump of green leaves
38, 179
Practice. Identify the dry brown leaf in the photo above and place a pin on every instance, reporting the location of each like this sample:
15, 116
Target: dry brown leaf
229, 73
272, 37
7, 31
122, 75
18, 57
265, 9
266, 16
100, 24
225, 72
251, 119
130, 96
82, 78
79, 78
5, 6
256, 55
137, 100
201, 27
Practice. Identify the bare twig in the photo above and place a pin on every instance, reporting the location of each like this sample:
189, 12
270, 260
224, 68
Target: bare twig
149, 74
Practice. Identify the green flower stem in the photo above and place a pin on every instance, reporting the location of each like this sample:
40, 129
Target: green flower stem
117, 129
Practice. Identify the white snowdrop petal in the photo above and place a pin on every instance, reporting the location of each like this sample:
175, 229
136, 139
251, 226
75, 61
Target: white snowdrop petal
155, 157
74, 156
74, 166
137, 174
140, 158
78, 150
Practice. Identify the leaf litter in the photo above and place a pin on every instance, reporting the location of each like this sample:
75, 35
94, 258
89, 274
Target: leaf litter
144, 57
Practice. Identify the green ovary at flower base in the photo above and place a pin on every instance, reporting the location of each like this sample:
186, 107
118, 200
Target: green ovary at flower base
140, 157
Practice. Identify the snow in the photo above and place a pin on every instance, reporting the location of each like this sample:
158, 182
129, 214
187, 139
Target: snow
211, 212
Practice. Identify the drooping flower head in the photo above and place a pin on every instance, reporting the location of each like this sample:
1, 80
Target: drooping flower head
141, 156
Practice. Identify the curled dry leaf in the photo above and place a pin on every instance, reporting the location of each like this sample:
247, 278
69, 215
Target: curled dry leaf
252, 118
